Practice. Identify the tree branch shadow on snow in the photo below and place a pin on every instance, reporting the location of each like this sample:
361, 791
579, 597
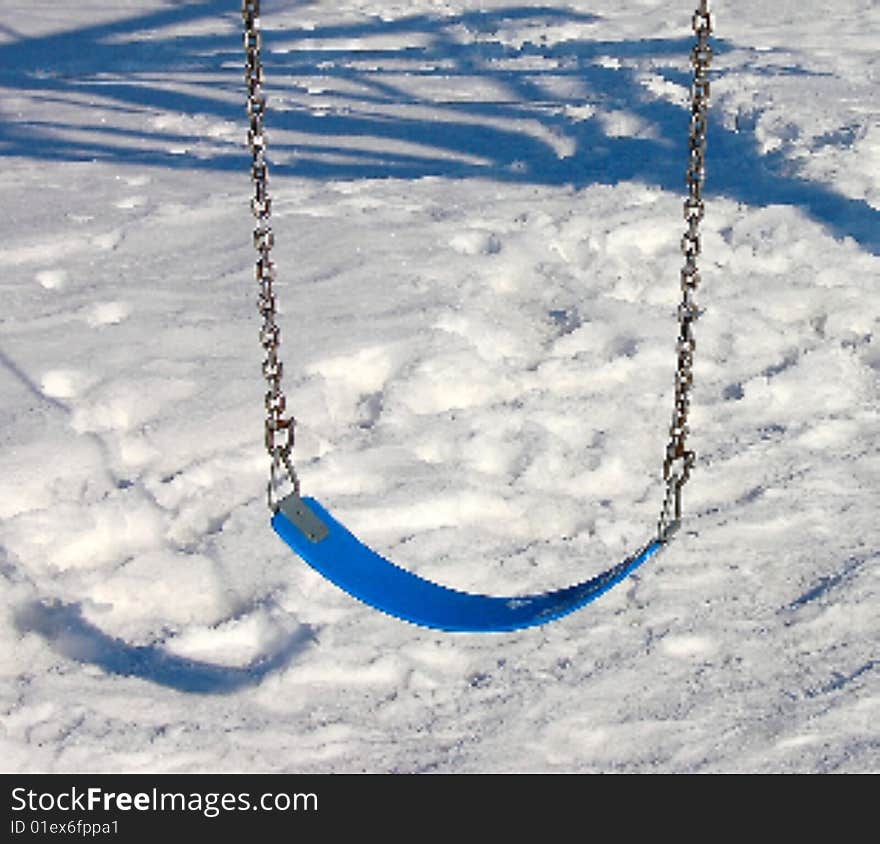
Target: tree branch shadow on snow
69, 634
354, 101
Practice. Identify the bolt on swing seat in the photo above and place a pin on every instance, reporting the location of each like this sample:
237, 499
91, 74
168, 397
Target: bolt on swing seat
307, 527
336, 553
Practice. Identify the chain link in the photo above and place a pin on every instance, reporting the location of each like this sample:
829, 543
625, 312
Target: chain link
279, 429
679, 460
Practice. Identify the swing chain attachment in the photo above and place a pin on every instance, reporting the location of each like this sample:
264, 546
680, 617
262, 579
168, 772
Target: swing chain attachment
679, 460
279, 429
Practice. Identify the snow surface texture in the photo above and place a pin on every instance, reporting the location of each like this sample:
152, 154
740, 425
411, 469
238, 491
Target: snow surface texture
477, 210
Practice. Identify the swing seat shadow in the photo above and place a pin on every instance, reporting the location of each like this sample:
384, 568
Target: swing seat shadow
72, 636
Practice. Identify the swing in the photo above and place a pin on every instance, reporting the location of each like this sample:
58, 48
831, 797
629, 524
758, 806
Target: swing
309, 529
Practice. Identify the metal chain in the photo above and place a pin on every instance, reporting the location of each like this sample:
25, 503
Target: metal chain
279, 429
679, 460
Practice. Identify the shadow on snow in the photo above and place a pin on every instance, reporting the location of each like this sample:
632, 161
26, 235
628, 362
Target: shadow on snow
68, 633
347, 104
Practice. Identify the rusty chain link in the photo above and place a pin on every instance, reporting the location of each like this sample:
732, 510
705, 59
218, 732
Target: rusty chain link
279, 429
679, 460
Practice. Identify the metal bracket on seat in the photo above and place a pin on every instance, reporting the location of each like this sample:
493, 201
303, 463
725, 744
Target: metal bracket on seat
303, 518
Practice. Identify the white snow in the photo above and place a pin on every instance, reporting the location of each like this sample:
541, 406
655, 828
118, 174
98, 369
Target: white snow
477, 209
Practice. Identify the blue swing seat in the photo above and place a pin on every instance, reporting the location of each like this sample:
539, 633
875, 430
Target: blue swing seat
331, 549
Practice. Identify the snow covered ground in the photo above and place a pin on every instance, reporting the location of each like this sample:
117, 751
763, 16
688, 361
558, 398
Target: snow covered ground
477, 212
